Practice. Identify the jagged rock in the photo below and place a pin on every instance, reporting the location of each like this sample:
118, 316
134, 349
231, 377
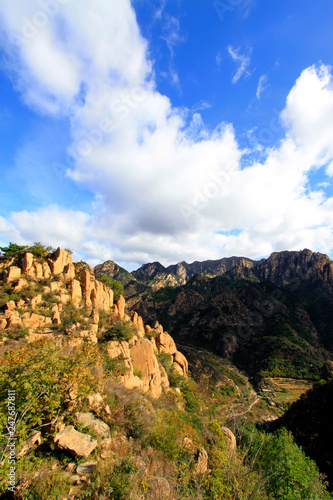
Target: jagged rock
134, 318
38, 269
165, 343
69, 272
13, 273
22, 283
164, 378
27, 264
121, 307
55, 286
144, 360
202, 461
14, 322
10, 306
3, 323
46, 270
76, 292
95, 317
87, 419
35, 301
180, 360
33, 320
64, 296
20, 303
56, 315
86, 469
88, 334
117, 348
230, 438
141, 328
36, 337
97, 403
59, 260
34, 439
75, 442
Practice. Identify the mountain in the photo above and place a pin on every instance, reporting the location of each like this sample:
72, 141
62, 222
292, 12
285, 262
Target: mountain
272, 316
115, 272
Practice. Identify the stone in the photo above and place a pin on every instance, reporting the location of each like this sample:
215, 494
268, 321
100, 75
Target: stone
56, 315
86, 469
116, 348
121, 307
59, 260
33, 320
27, 264
55, 286
64, 296
141, 328
39, 270
36, 337
22, 283
3, 323
10, 313
181, 361
75, 442
95, 317
164, 378
35, 301
134, 318
46, 270
69, 273
144, 360
87, 419
10, 306
165, 343
21, 303
13, 273
34, 439
14, 322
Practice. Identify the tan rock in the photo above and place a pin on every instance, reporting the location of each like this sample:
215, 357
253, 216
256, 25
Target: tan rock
33, 320
69, 273
21, 303
121, 307
164, 378
46, 270
55, 286
35, 301
59, 260
181, 361
64, 296
36, 337
86, 469
95, 317
141, 328
134, 317
56, 315
27, 264
14, 322
22, 283
165, 343
10, 306
3, 323
144, 360
75, 442
34, 439
10, 313
39, 269
116, 348
88, 420
13, 273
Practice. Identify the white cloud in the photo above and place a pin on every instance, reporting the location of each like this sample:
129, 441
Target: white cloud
166, 187
243, 61
262, 85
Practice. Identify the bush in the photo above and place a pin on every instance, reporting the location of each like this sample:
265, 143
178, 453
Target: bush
121, 330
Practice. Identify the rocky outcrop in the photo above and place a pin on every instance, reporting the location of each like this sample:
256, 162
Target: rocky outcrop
88, 420
144, 360
75, 442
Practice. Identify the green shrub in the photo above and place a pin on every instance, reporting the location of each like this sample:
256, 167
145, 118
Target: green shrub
121, 330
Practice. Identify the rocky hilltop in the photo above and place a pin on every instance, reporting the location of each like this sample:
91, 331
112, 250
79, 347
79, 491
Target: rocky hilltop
54, 296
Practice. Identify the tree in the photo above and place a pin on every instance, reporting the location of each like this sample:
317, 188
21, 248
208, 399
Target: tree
13, 250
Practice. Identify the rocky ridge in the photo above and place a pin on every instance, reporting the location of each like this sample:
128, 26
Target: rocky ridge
43, 292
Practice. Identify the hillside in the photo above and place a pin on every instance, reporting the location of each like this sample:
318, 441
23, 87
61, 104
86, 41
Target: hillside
96, 404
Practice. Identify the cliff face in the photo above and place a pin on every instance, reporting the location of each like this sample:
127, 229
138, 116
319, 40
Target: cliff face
54, 297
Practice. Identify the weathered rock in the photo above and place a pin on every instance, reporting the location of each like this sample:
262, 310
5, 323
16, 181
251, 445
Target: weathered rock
69, 272
56, 315
181, 361
76, 292
13, 273
86, 469
33, 440
164, 378
36, 337
64, 296
22, 283
39, 269
10, 306
14, 322
27, 264
59, 260
87, 419
35, 301
121, 307
165, 343
141, 328
144, 360
33, 320
97, 403
75, 442
3, 323
46, 270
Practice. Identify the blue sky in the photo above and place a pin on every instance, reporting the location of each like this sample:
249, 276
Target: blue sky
167, 130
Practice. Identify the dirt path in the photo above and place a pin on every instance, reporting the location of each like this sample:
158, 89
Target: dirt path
244, 412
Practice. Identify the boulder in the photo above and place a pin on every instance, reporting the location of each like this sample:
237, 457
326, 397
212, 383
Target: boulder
14, 322
87, 419
33, 440
35, 301
69, 273
27, 264
22, 283
13, 273
232, 444
86, 469
165, 343
46, 270
59, 260
3, 323
76, 292
75, 442
121, 307
181, 361
56, 315
38, 269
55, 286
144, 360
10, 306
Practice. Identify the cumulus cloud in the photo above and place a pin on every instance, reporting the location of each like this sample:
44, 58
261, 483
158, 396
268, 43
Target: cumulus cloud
166, 187
243, 61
